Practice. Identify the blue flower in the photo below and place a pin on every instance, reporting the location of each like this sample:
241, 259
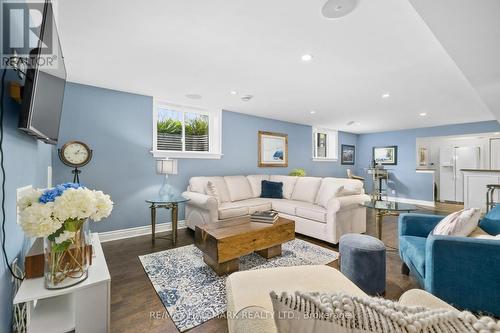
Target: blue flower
51, 194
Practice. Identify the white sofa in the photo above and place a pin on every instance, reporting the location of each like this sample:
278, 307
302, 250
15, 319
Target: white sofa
323, 208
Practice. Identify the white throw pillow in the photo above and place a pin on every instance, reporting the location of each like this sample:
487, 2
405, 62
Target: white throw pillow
346, 190
220, 184
306, 189
288, 184
461, 223
238, 187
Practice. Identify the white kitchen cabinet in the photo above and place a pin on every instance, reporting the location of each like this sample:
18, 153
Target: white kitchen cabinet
475, 182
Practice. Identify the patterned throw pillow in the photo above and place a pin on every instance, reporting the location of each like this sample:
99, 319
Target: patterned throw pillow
461, 223
315, 312
212, 190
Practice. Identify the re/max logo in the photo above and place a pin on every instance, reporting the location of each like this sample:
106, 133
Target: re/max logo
22, 25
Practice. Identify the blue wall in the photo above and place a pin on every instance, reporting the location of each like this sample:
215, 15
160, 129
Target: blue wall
26, 162
118, 127
405, 181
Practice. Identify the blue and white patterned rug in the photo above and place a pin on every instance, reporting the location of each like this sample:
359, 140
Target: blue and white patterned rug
193, 293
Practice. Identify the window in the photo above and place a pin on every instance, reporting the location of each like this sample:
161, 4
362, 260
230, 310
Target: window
325, 147
185, 132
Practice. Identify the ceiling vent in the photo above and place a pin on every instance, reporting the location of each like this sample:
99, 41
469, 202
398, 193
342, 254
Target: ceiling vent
246, 98
334, 9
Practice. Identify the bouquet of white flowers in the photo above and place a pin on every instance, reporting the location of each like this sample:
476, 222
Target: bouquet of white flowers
59, 215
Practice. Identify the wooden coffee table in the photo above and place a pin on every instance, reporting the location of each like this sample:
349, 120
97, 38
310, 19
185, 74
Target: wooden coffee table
223, 243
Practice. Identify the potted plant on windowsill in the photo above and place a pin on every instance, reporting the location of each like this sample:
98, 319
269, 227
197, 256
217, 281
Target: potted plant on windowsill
60, 216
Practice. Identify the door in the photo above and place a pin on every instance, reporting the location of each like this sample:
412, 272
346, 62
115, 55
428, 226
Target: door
495, 154
465, 158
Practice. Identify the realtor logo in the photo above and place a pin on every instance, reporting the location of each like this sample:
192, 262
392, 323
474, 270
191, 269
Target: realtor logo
22, 29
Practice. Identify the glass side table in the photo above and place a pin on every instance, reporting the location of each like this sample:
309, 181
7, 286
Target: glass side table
171, 203
387, 208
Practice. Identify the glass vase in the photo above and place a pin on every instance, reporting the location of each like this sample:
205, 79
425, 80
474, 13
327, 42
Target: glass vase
66, 263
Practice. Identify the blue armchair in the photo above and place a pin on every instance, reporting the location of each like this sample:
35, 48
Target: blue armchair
462, 271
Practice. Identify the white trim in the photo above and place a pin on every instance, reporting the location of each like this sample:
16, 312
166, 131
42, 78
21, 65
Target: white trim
412, 201
324, 159
185, 154
108, 236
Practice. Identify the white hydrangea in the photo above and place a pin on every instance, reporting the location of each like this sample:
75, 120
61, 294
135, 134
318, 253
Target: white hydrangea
36, 220
64, 236
104, 206
75, 204
30, 198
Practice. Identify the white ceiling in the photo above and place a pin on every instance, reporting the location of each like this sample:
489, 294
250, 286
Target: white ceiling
170, 48
470, 32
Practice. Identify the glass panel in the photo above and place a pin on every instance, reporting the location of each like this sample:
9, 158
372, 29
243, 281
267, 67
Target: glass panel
197, 137
321, 145
169, 130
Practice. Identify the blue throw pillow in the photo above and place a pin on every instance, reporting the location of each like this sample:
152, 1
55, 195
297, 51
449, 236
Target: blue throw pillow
491, 221
272, 190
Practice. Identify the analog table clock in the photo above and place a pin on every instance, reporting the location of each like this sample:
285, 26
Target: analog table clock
75, 154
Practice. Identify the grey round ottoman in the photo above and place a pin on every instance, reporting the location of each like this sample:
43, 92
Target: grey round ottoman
362, 260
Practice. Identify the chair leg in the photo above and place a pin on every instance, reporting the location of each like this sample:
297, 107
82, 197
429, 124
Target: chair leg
405, 269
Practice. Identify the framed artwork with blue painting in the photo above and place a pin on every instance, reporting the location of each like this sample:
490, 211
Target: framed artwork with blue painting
273, 149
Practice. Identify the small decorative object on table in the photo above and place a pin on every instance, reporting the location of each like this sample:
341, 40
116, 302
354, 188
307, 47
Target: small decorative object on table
60, 215
267, 216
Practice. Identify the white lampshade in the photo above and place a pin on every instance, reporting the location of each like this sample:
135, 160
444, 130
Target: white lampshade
166, 167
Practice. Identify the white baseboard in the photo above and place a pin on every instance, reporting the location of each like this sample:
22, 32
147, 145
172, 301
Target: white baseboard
108, 236
413, 201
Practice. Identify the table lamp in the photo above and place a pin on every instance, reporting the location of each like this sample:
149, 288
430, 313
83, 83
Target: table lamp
166, 167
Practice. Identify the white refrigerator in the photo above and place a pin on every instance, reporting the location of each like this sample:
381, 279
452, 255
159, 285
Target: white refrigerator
451, 161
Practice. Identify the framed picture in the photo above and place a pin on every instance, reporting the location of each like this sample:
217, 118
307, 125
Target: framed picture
386, 155
348, 154
273, 149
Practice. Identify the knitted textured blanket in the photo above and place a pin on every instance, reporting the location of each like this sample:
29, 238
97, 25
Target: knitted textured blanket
372, 314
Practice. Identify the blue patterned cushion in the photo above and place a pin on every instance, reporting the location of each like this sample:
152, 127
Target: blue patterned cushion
491, 221
272, 190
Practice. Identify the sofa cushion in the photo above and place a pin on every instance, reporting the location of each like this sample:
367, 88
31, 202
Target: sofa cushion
288, 184
306, 189
238, 188
199, 185
327, 190
256, 204
413, 249
271, 190
288, 206
481, 234
491, 221
229, 210
256, 183
312, 212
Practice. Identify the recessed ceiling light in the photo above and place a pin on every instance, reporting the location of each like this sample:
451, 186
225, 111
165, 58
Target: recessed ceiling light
386, 95
312, 112
333, 9
422, 114
233, 92
306, 57
193, 96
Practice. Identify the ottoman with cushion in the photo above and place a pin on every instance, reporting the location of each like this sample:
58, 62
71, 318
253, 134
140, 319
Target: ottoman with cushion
362, 260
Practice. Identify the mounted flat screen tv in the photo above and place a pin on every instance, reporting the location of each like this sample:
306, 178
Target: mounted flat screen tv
44, 85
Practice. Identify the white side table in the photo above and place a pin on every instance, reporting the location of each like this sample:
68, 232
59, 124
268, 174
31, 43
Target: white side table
84, 307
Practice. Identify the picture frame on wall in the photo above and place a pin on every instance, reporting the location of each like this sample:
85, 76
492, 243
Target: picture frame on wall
272, 149
348, 154
387, 155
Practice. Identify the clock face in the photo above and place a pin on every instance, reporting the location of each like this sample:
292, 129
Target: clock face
75, 154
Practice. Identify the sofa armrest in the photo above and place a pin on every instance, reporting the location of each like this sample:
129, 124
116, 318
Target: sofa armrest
202, 201
419, 225
464, 272
349, 201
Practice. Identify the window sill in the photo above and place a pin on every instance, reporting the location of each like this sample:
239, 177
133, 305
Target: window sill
185, 154
322, 159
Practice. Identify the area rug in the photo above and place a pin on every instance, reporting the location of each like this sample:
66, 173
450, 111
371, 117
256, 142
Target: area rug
192, 292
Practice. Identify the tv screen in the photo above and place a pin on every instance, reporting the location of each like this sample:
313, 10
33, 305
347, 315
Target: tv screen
44, 84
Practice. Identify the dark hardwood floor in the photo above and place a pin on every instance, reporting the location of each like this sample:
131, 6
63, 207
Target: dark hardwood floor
135, 306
